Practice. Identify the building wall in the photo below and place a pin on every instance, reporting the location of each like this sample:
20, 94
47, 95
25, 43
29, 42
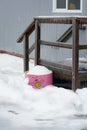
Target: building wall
16, 15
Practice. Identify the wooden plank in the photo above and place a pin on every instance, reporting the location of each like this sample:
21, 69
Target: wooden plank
75, 56
37, 43
83, 76
55, 65
82, 20
59, 70
83, 47
26, 56
51, 20
66, 35
31, 48
28, 31
61, 20
56, 44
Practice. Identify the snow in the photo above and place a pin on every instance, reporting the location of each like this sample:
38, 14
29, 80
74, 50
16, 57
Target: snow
25, 108
39, 70
55, 16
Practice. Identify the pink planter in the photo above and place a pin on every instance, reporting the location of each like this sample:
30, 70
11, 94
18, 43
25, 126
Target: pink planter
39, 81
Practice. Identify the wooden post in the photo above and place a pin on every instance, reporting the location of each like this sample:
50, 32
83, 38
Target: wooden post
37, 43
26, 53
75, 55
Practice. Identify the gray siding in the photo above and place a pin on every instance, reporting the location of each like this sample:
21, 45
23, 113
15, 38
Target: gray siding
15, 16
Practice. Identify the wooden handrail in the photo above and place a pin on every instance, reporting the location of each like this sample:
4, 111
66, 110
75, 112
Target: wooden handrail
28, 31
55, 20
25, 36
56, 44
67, 34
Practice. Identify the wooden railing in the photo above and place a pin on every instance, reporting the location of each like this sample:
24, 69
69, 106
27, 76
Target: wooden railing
75, 46
25, 36
28, 31
74, 71
68, 33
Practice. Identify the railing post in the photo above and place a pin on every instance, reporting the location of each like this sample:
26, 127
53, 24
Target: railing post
75, 55
26, 53
37, 43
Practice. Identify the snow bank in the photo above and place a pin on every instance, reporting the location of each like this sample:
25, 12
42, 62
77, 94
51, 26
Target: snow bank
22, 107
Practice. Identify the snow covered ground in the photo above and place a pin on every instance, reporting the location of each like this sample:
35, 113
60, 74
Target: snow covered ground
25, 108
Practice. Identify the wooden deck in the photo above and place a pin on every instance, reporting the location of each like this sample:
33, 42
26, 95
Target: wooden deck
60, 72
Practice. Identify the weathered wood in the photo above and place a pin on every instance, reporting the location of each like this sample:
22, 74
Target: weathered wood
82, 20
66, 35
61, 19
31, 48
26, 53
75, 55
56, 44
55, 65
59, 70
28, 31
37, 43
83, 76
51, 20
63, 73
83, 46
